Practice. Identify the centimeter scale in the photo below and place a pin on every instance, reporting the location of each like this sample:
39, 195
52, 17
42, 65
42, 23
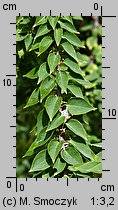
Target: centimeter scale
62, 193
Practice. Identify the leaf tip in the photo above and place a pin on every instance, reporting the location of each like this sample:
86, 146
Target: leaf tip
83, 74
38, 82
77, 32
47, 130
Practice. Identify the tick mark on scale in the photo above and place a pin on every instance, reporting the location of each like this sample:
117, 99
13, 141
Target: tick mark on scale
12, 23
10, 75
109, 118
105, 67
111, 16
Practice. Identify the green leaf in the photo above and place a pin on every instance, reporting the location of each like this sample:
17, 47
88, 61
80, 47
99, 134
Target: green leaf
91, 42
19, 37
52, 105
76, 90
30, 151
71, 156
85, 119
73, 39
40, 20
18, 19
84, 149
73, 66
70, 50
77, 17
99, 157
25, 20
59, 165
92, 166
40, 161
78, 106
54, 148
42, 120
42, 30
33, 99
21, 53
82, 82
97, 145
76, 127
68, 18
42, 138
85, 83
42, 72
44, 44
63, 67
57, 121
83, 59
28, 41
77, 174
53, 61
48, 173
32, 74
97, 52
34, 46
87, 27
53, 21
46, 87
93, 139
62, 80
68, 26
92, 76
58, 33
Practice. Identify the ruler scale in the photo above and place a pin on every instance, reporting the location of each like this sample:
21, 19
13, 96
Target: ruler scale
59, 193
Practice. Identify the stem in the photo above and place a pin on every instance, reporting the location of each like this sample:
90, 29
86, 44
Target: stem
58, 68
96, 21
57, 53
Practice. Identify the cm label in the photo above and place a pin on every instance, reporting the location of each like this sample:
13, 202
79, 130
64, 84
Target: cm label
9, 6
